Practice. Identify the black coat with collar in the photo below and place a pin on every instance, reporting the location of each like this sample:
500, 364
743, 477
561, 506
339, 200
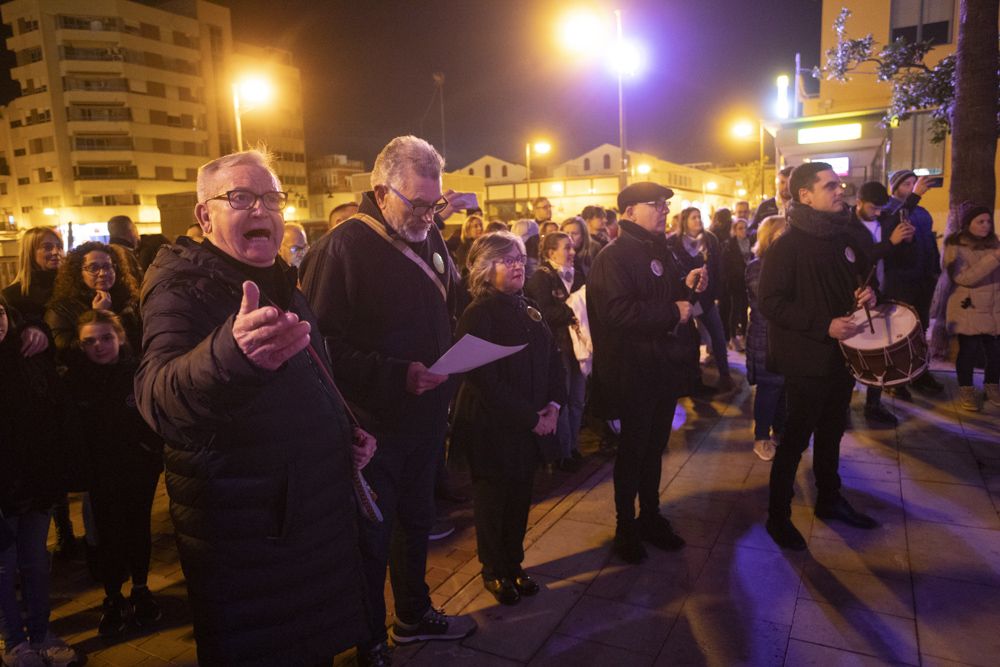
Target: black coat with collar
548, 290
808, 278
498, 403
712, 258
258, 469
640, 350
379, 311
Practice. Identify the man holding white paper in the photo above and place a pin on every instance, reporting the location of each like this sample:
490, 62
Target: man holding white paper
385, 291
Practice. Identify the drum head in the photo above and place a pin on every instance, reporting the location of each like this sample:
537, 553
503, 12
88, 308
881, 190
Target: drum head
892, 322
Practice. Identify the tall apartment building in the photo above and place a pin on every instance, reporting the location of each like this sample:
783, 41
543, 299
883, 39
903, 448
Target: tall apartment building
120, 102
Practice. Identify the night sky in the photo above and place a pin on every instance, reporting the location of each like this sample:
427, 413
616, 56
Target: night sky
367, 70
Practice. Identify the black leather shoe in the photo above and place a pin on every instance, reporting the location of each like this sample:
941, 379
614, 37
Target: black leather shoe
785, 534
927, 384
568, 464
878, 413
502, 589
841, 510
377, 656
657, 531
628, 543
525, 585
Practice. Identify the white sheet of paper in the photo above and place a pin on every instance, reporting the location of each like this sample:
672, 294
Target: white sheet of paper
471, 352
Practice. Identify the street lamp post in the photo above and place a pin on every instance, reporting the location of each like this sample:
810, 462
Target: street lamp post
541, 148
254, 91
623, 176
744, 130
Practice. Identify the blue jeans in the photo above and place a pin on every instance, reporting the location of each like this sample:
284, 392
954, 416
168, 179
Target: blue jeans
768, 406
712, 322
28, 557
571, 415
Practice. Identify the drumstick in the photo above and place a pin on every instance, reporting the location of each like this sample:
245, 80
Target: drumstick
862, 286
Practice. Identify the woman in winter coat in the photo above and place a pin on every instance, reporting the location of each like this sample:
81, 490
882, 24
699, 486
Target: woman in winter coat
695, 247
736, 254
769, 399
94, 276
33, 437
550, 287
40, 253
972, 260
125, 460
504, 408
472, 229
586, 249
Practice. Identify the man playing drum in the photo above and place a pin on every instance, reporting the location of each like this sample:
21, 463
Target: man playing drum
808, 291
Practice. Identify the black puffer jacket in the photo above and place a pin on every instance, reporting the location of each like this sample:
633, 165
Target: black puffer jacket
550, 293
258, 471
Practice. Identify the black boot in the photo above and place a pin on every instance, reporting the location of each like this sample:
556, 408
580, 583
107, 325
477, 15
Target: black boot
628, 542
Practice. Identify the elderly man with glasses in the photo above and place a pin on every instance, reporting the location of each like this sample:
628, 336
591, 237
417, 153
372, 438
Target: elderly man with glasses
386, 292
639, 307
260, 452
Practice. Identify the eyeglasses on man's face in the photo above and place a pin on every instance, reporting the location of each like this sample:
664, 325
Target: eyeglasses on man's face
243, 200
660, 204
96, 268
512, 261
421, 210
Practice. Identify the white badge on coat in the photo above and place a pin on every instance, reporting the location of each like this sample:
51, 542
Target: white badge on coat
534, 314
438, 263
656, 267
849, 254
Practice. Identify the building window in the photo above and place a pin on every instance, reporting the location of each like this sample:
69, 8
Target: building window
911, 147
472, 172
488, 171
922, 20
503, 171
607, 161
24, 180
165, 173
586, 164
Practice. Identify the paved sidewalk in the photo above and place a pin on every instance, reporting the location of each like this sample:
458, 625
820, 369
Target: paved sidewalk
924, 589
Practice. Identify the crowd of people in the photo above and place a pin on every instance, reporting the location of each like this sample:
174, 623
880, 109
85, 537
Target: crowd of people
288, 390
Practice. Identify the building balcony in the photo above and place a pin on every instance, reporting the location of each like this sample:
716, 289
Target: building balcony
105, 172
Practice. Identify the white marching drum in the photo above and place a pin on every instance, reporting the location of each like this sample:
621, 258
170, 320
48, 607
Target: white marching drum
895, 353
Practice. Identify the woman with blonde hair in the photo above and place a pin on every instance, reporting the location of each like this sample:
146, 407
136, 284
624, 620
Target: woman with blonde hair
585, 249
769, 399
505, 408
472, 229
40, 252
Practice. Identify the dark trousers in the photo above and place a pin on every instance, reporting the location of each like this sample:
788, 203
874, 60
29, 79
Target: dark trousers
122, 507
402, 475
817, 407
970, 350
501, 512
769, 410
645, 431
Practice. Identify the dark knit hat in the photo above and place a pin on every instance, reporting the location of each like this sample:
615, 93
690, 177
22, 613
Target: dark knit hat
969, 211
640, 193
873, 192
897, 177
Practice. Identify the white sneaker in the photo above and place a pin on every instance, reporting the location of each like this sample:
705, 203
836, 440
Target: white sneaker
22, 655
56, 653
764, 449
993, 393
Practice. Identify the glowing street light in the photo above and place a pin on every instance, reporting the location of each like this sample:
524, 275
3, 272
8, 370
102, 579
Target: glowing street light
643, 169
711, 186
579, 30
538, 148
781, 107
743, 129
48, 211
248, 94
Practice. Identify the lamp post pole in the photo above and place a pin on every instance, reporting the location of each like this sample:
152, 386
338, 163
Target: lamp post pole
527, 164
760, 140
239, 122
623, 175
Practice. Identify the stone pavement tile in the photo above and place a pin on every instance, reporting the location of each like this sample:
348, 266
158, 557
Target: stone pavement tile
597, 506
882, 552
984, 445
861, 445
517, 632
880, 472
804, 654
879, 500
931, 661
638, 629
122, 654
746, 526
722, 637
940, 466
436, 654
955, 552
958, 620
857, 630
696, 532
562, 650
949, 503
752, 582
721, 466
662, 581
570, 550
853, 589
